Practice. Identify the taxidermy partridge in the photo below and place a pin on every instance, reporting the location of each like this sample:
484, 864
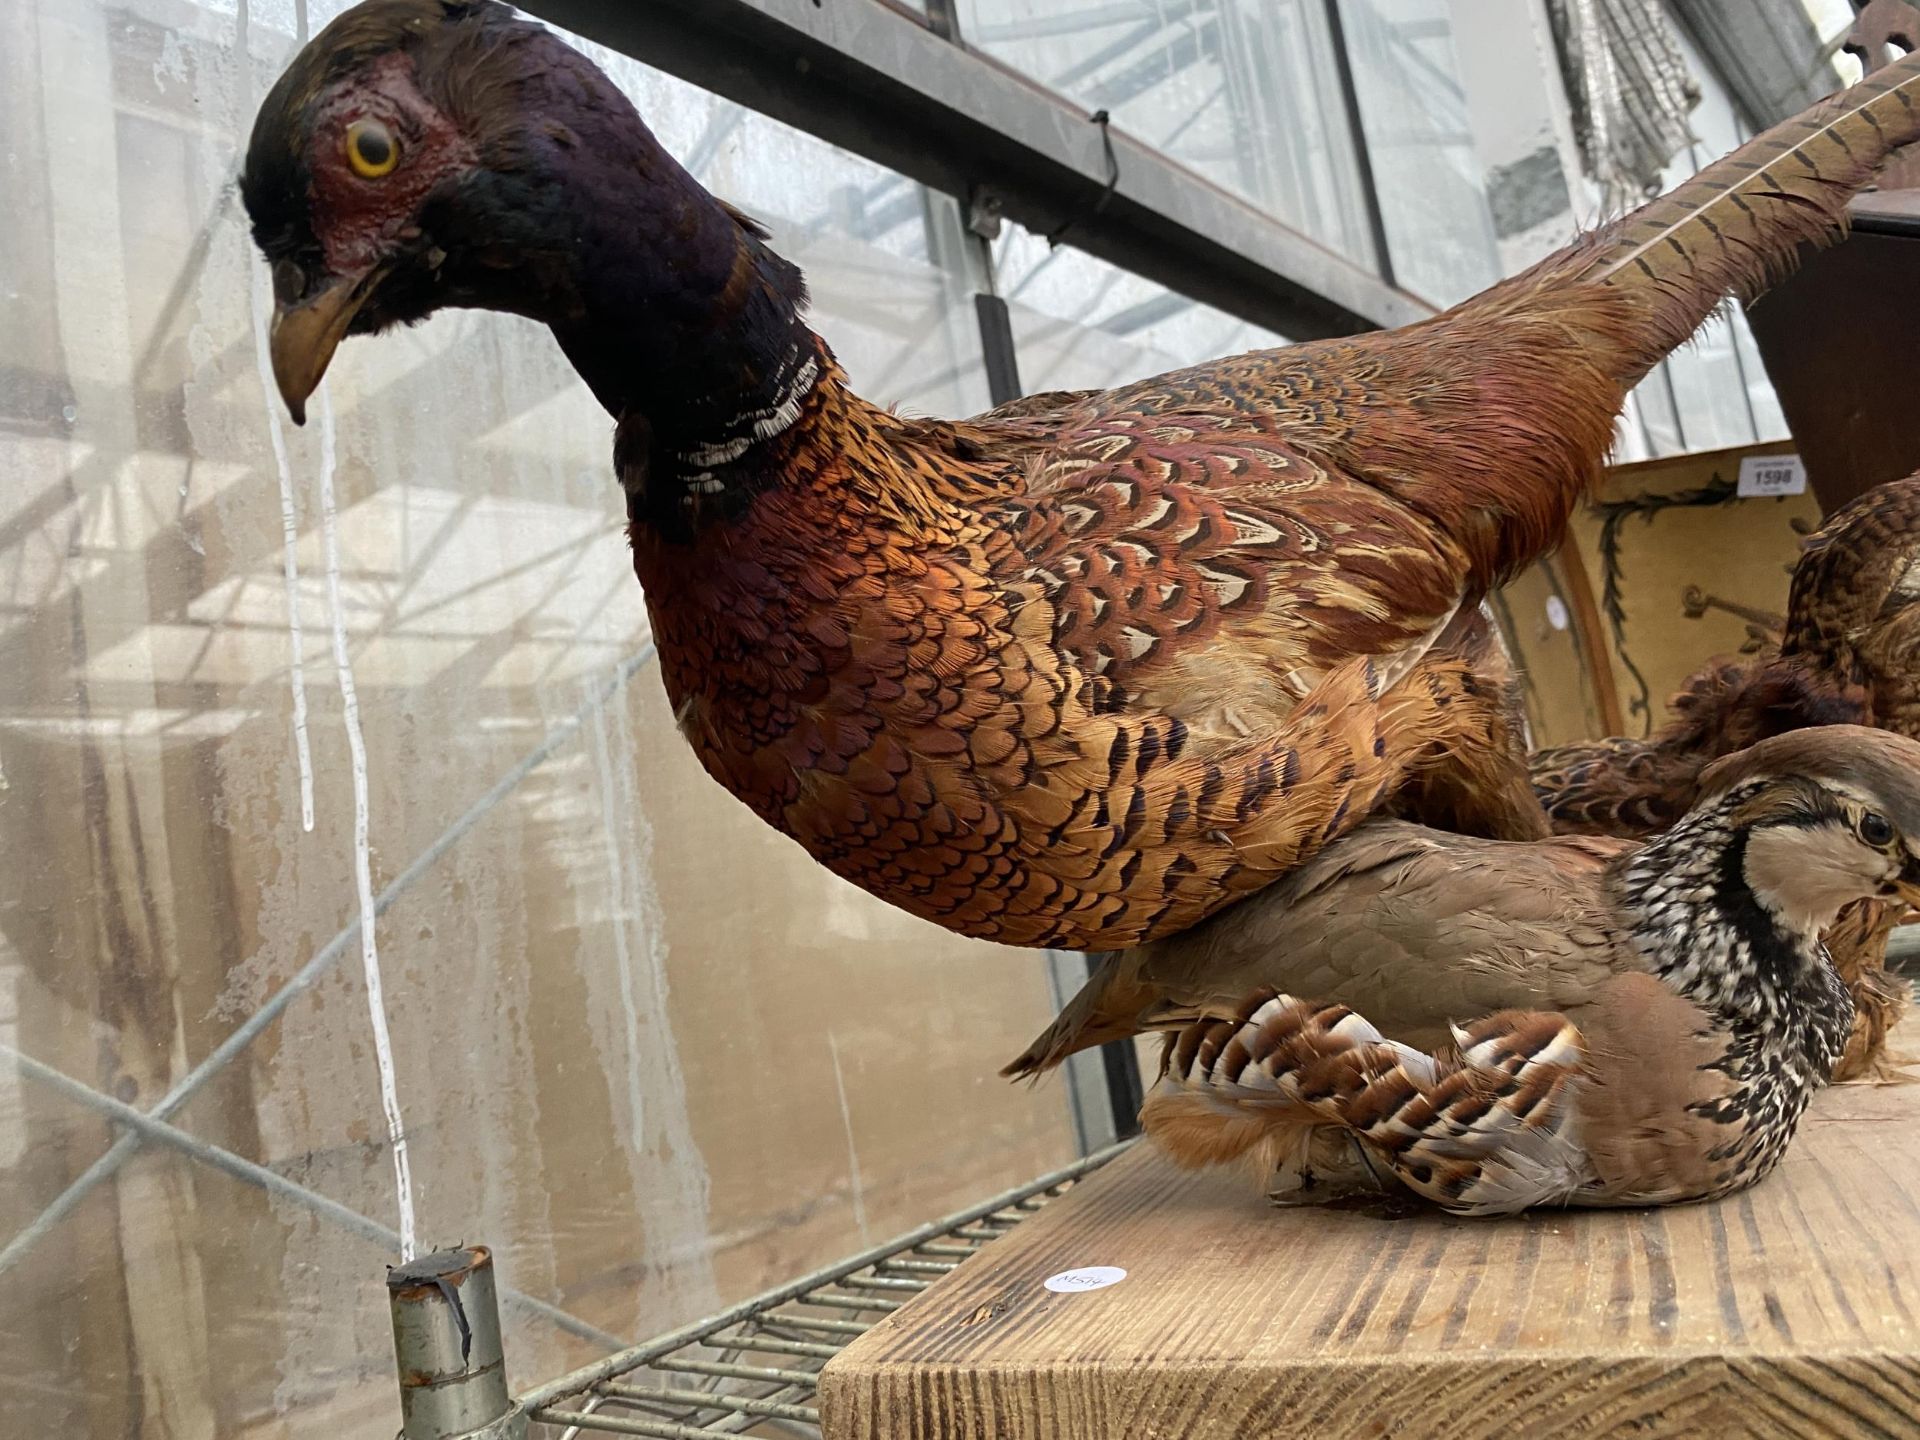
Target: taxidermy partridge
1557, 1022
1849, 652
1075, 673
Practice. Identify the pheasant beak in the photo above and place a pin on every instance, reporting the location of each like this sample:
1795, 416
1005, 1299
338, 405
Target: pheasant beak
307, 331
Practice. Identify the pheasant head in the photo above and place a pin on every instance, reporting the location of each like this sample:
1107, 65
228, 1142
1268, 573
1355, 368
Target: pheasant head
419, 154
1729, 905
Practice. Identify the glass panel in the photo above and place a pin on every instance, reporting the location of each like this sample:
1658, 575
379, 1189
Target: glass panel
1831, 20
904, 329
1630, 440
1660, 421
1432, 188
1769, 420
1082, 324
1245, 92
642, 1045
1710, 389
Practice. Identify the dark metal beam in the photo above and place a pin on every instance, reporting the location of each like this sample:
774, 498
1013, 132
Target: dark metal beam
997, 350
867, 77
1362, 147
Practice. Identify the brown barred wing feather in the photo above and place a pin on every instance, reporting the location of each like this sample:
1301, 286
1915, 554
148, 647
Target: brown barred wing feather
1200, 565
1488, 1129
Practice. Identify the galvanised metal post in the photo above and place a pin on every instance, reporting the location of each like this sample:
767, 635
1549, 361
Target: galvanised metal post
446, 1345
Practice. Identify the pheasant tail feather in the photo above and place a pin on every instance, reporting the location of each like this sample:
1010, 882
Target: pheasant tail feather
1110, 1006
1741, 223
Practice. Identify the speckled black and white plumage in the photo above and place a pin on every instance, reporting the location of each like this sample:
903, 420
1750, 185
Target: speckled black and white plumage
1783, 1011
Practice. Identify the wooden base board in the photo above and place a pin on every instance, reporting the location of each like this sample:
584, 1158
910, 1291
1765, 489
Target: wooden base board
1790, 1310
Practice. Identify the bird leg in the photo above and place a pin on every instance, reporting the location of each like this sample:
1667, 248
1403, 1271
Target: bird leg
1320, 1164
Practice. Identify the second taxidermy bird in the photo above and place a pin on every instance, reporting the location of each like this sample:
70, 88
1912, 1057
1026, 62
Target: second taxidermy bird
1502, 1026
1074, 673
1849, 653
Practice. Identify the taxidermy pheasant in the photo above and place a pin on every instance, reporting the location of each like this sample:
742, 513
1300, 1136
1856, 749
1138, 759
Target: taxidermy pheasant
1076, 673
1548, 1023
1849, 653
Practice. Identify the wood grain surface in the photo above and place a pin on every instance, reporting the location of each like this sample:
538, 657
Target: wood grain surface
1790, 1310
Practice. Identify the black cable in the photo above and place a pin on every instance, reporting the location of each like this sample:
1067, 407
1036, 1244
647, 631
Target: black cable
1100, 118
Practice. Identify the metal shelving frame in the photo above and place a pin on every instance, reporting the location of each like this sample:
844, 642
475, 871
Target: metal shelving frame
753, 1367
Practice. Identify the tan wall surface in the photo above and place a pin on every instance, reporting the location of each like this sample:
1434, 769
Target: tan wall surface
1735, 550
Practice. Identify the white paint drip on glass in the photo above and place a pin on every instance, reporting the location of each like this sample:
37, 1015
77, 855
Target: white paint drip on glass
622, 951
289, 543
853, 1156
671, 1174
362, 849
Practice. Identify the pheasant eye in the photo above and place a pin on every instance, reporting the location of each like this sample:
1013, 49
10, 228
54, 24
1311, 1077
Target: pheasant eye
371, 149
1875, 829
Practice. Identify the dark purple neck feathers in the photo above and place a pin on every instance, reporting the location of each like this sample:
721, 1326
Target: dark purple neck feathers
680, 315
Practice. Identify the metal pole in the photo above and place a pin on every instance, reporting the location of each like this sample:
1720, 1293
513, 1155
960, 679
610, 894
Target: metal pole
271, 1181
324, 960
1120, 1063
997, 349
884, 84
1362, 151
446, 1346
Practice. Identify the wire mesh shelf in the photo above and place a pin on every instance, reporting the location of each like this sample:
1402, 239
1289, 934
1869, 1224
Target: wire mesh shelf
752, 1369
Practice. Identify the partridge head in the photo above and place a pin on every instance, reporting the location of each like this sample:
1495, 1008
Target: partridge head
1849, 654
1811, 821
1661, 1049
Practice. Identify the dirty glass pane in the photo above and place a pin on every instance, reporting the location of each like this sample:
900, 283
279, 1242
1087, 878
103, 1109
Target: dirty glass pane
1245, 92
1432, 188
1080, 323
640, 1044
1710, 389
1769, 420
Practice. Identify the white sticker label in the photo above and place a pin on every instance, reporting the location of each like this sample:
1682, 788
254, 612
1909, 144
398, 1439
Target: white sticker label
1762, 475
1092, 1277
1557, 612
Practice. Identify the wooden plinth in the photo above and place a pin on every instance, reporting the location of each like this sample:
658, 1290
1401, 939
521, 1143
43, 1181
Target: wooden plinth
1790, 1310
